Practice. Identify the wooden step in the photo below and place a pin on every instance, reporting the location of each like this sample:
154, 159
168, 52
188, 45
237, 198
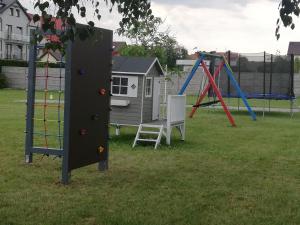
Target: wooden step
147, 140
141, 131
151, 126
148, 132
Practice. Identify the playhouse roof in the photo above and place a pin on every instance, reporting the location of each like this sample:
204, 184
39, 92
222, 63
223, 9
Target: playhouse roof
135, 65
294, 48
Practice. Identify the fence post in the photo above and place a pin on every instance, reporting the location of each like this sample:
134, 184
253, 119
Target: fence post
271, 81
264, 84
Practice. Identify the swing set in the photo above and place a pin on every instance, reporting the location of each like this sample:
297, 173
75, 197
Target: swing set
212, 84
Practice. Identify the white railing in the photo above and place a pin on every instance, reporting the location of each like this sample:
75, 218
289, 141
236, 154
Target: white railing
14, 37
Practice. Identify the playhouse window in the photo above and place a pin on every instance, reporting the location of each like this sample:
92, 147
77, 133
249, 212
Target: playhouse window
120, 86
149, 87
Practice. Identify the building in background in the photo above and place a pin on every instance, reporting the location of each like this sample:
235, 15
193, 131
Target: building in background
15, 30
117, 45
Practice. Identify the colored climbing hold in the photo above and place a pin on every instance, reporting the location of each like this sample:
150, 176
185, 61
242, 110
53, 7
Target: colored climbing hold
102, 91
96, 117
81, 72
83, 132
101, 149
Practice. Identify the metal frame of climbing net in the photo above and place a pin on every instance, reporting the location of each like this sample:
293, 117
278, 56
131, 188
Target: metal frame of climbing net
45, 105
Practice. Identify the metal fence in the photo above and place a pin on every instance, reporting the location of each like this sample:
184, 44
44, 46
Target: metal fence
260, 76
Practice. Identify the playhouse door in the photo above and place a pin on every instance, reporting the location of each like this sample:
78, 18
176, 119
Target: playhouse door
156, 99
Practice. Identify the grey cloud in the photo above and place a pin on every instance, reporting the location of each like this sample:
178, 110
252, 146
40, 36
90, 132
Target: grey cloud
213, 4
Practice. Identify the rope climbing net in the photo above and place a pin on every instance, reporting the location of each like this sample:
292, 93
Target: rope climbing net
48, 118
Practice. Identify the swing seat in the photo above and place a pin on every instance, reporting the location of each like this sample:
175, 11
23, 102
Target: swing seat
205, 104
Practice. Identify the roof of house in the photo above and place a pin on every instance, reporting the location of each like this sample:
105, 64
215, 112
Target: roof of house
117, 45
135, 65
7, 3
294, 48
58, 25
55, 54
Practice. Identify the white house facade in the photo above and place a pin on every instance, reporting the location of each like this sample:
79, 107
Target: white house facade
15, 30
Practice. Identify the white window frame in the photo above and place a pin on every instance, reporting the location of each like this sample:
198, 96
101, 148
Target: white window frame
148, 95
123, 95
11, 13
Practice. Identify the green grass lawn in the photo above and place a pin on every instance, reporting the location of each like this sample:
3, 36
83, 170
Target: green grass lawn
249, 175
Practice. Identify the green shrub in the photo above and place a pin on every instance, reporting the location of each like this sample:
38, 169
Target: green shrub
3, 81
18, 63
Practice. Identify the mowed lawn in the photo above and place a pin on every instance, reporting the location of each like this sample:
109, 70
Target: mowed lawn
219, 176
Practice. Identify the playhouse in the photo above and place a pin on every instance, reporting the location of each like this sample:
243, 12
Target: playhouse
136, 100
135, 89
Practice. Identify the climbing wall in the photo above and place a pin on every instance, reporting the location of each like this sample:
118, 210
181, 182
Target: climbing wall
89, 75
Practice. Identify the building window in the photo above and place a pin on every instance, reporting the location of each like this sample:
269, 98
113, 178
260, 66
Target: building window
19, 52
9, 31
1, 53
20, 30
120, 86
11, 11
9, 51
18, 12
148, 87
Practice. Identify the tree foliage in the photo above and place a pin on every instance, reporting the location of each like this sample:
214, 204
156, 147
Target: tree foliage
150, 39
146, 33
288, 9
132, 12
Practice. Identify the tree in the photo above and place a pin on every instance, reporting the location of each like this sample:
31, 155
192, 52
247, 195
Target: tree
288, 9
167, 55
146, 33
281, 64
297, 65
131, 11
142, 51
151, 40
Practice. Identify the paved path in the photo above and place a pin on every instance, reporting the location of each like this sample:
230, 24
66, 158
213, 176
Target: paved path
256, 109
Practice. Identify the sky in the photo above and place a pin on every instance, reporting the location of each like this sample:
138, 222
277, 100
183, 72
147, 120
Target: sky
245, 26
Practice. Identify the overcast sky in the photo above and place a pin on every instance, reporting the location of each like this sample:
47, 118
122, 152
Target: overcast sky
238, 25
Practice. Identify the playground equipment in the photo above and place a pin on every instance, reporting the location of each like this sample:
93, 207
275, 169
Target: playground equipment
82, 106
262, 76
135, 90
212, 78
136, 95
175, 118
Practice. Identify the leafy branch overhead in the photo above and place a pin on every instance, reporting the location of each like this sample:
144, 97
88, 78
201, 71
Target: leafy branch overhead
152, 39
288, 9
132, 12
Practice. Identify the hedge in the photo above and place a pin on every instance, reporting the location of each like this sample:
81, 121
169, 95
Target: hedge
18, 63
3, 81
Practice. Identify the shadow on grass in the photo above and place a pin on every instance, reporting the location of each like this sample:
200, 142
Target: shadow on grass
127, 139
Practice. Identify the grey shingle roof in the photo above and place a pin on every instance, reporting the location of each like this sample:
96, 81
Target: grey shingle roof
294, 48
135, 65
8, 3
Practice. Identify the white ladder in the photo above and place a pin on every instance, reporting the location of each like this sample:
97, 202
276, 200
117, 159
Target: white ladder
141, 131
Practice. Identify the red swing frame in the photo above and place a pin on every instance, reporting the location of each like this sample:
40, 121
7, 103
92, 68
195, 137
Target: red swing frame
215, 89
